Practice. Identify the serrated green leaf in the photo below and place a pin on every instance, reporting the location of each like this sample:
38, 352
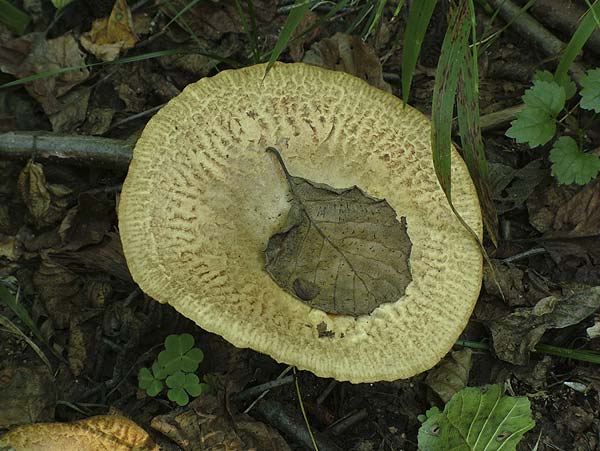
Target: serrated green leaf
568, 85
548, 96
590, 92
179, 396
570, 164
176, 380
533, 126
477, 420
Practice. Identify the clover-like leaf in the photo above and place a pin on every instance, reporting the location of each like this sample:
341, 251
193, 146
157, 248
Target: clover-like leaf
590, 92
548, 96
533, 126
179, 354
570, 164
179, 396
148, 382
193, 386
160, 372
176, 380
477, 420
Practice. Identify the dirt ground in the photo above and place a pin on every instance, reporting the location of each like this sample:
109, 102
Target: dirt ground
60, 250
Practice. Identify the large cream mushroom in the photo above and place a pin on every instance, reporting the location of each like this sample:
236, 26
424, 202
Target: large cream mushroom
202, 199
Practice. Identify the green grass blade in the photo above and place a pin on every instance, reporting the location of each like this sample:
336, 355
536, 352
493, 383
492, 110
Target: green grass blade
290, 25
376, 17
249, 28
15, 19
11, 301
129, 59
585, 29
444, 93
12, 328
419, 16
360, 17
470, 132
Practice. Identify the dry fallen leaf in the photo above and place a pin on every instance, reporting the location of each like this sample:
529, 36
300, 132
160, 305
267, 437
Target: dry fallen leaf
349, 54
47, 203
33, 54
340, 250
100, 433
26, 395
518, 333
451, 375
110, 36
205, 426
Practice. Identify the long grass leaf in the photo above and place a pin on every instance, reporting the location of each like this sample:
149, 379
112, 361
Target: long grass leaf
585, 29
11, 301
290, 25
470, 132
454, 46
13, 17
129, 59
419, 16
249, 28
376, 17
12, 328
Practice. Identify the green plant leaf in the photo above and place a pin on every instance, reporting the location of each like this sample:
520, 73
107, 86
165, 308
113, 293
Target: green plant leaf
179, 396
477, 419
533, 126
13, 17
570, 164
590, 92
147, 382
419, 16
193, 386
179, 354
455, 44
176, 380
59, 4
586, 27
548, 96
567, 84
290, 25
160, 372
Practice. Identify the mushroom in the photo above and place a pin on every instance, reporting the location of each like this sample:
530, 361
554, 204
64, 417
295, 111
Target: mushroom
203, 198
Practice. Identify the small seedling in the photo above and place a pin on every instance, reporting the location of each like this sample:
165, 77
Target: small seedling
176, 366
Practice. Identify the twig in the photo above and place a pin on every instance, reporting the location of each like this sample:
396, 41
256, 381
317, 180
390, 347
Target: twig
75, 150
532, 30
499, 119
323, 396
526, 254
264, 393
258, 389
346, 423
275, 414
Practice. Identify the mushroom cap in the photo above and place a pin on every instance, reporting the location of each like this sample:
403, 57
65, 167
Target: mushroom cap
202, 198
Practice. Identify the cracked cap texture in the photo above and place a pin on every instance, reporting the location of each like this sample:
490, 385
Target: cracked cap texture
202, 197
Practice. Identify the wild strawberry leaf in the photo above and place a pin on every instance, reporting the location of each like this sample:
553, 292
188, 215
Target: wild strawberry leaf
570, 164
590, 92
548, 96
533, 126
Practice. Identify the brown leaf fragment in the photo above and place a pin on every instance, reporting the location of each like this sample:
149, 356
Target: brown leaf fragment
451, 375
27, 395
109, 37
87, 223
518, 333
204, 426
340, 250
46, 203
348, 53
580, 215
100, 433
33, 54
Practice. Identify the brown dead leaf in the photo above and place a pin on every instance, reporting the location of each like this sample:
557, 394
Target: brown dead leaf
33, 54
516, 335
27, 395
299, 40
100, 433
347, 53
47, 203
72, 111
110, 36
204, 426
580, 215
339, 250
87, 223
451, 375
